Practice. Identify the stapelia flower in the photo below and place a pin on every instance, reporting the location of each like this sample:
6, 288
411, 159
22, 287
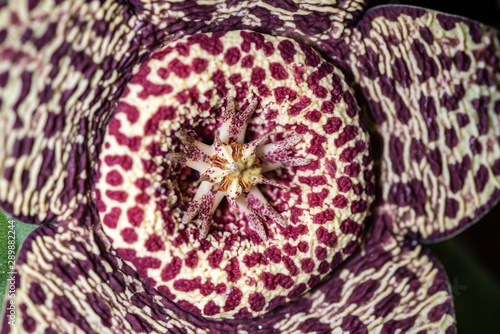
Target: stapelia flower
125, 124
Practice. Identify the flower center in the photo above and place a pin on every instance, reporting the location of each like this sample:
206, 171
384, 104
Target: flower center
231, 168
241, 171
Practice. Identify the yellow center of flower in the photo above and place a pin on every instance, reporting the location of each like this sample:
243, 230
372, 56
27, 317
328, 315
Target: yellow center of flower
242, 170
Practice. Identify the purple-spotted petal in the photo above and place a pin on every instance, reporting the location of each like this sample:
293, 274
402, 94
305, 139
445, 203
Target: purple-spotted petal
436, 116
61, 73
75, 281
382, 288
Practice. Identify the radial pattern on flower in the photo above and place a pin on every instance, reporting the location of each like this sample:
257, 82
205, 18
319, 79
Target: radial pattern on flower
430, 82
260, 120
231, 168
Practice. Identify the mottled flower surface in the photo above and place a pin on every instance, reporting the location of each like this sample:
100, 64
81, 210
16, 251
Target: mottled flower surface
285, 238
94, 96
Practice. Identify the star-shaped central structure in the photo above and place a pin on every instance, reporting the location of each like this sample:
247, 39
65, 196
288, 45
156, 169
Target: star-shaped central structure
231, 168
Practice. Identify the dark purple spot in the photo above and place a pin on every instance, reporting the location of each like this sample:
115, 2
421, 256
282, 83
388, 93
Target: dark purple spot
290, 266
332, 125
463, 119
451, 208
427, 65
258, 75
138, 324
199, 65
417, 150
396, 154
399, 326
303, 103
481, 106
451, 102
247, 61
447, 22
25, 88
111, 218
22, 146
154, 243
220, 83
475, 145
481, 178
426, 35
114, 178
458, 173
401, 73
359, 206
312, 58
172, 269
496, 167
132, 142
389, 90
233, 270
233, 299
344, 184
428, 110
462, 61
232, 56
326, 238
350, 153
135, 216
350, 227
129, 235
278, 72
484, 77
211, 308
191, 258
118, 195
36, 294
211, 44
451, 137
257, 301
435, 161
387, 305
65, 309
445, 61
410, 194
275, 302
438, 311
350, 132
352, 108
287, 51
273, 253
320, 253
316, 199
352, 324
363, 292
180, 69
123, 160
3, 35
367, 64
100, 307
297, 291
163, 113
307, 265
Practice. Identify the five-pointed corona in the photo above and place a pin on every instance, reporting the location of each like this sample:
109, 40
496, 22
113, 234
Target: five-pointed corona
233, 169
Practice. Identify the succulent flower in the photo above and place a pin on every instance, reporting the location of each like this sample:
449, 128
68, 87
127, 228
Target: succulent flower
231, 168
125, 124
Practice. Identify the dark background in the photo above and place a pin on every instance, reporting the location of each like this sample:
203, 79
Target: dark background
471, 259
